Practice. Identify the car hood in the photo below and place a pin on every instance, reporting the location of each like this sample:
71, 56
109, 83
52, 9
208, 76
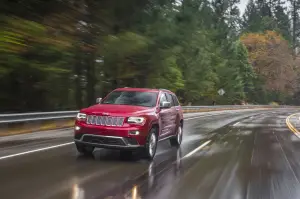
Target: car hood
116, 109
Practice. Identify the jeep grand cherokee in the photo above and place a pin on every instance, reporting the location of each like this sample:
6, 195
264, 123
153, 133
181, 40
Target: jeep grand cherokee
129, 119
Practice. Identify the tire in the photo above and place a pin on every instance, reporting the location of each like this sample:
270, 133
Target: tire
85, 150
176, 141
151, 145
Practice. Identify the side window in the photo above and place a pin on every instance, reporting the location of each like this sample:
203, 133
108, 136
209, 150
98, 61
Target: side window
169, 98
175, 100
162, 99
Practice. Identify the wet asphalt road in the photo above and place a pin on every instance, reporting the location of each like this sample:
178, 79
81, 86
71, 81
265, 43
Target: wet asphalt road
247, 155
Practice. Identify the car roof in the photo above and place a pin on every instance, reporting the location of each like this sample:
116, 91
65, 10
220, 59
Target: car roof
143, 89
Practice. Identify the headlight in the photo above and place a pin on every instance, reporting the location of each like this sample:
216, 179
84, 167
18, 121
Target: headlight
81, 116
136, 120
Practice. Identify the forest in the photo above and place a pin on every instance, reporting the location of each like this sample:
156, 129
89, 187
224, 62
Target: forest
63, 54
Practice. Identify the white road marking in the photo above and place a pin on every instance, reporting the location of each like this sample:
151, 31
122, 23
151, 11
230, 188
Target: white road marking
36, 150
197, 149
236, 123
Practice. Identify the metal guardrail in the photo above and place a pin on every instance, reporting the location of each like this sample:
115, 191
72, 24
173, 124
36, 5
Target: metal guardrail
38, 116
42, 116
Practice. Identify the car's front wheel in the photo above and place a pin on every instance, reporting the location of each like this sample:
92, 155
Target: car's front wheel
151, 144
85, 150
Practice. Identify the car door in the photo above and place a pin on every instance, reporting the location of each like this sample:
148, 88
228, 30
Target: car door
172, 115
165, 115
178, 110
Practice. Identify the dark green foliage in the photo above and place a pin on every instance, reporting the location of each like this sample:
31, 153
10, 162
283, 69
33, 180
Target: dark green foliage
58, 55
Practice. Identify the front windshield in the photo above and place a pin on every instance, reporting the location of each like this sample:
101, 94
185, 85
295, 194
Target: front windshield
135, 98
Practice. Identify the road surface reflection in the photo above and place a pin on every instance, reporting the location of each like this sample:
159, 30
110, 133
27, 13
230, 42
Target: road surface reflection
139, 187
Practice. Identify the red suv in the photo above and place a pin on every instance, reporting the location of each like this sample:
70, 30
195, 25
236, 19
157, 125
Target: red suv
128, 119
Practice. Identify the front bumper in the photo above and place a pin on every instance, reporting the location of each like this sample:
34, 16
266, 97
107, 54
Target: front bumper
109, 142
111, 133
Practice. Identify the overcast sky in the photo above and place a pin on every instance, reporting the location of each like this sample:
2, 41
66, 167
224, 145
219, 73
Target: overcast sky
243, 5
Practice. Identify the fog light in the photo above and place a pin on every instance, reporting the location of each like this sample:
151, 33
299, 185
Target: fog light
134, 132
77, 128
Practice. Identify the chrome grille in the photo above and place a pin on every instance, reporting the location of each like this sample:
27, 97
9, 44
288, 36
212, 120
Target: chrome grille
105, 120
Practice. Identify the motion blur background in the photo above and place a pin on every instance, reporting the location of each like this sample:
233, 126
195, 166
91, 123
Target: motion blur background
62, 54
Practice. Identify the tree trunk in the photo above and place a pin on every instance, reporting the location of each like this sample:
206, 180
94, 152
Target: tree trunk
91, 79
294, 27
78, 91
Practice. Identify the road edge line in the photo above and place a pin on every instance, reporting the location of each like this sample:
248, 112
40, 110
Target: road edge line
290, 126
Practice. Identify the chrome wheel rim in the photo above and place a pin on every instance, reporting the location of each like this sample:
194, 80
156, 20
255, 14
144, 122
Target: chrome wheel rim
179, 135
152, 144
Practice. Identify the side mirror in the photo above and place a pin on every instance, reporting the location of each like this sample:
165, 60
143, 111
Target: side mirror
165, 105
98, 100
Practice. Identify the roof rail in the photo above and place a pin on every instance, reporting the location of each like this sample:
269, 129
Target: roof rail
163, 89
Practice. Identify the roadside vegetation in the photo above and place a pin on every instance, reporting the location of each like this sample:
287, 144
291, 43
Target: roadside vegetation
62, 54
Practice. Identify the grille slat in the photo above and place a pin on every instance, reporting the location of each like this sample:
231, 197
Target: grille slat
105, 120
101, 120
94, 120
109, 121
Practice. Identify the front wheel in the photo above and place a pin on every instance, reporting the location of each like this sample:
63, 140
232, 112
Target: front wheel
151, 145
85, 150
176, 141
